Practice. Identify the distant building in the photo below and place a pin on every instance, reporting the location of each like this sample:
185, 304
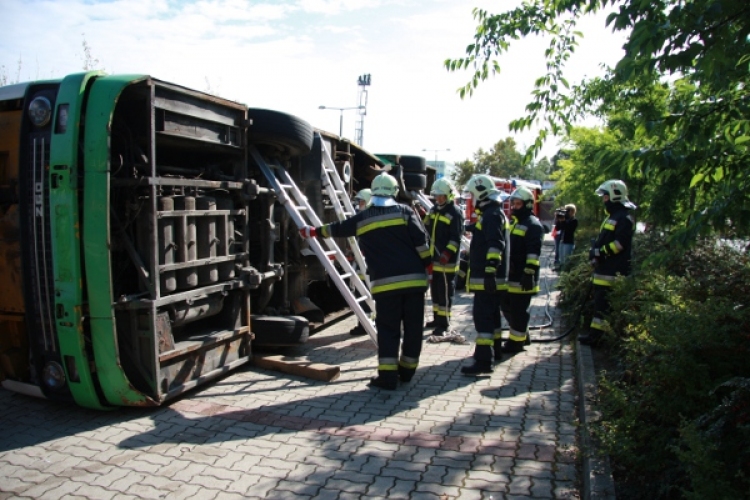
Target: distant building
442, 168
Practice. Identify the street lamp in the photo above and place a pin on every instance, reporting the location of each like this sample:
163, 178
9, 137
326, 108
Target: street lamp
436, 151
341, 115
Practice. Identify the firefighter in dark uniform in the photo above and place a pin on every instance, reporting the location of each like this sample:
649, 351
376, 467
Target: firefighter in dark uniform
610, 254
526, 233
486, 269
396, 251
445, 225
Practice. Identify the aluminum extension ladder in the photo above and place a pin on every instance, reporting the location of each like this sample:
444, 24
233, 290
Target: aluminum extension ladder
326, 249
342, 205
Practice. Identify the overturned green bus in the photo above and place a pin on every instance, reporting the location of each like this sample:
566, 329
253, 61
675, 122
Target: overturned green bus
141, 249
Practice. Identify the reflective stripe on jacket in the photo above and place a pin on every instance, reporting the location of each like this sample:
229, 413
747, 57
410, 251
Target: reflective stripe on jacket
525, 248
394, 244
444, 226
613, 246
488, 245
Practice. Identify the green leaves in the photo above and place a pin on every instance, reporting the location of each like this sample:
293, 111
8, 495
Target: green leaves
677, 103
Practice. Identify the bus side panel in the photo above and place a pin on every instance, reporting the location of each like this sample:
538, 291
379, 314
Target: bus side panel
96, 243
14, 347
66, 239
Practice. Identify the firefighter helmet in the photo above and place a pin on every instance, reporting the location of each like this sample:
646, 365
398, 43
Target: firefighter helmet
363, 195
616, 189
480, 186
523, 194
384, 185
442, 187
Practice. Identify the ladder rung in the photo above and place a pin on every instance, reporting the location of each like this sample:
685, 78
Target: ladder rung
285, 186
345, 275
361, 298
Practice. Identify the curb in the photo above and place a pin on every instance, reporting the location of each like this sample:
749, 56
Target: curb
597, 473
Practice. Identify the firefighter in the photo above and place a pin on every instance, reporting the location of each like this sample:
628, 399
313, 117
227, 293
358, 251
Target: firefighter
444, 224
610, 254
486, 269
396, 251
526, 233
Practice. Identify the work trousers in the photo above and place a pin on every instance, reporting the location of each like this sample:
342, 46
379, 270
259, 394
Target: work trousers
486, 315
515, 308
441, 290
393, 311
601, 308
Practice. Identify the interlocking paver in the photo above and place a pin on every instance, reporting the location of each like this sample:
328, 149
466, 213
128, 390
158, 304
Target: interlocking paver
261, 434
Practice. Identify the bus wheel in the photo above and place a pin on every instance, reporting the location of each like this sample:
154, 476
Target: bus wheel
279, 330
414, 164
287, 135
415, 182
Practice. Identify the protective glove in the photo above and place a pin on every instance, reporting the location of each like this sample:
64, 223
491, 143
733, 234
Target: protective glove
307, 232
444, 258
490, 282
428, 269
527, 280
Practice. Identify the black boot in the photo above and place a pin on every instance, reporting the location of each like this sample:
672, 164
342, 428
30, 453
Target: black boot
477, 368
357, 331
497, 350
439, 331
431, 324
405, 374
513, 346
591, 338
387, 380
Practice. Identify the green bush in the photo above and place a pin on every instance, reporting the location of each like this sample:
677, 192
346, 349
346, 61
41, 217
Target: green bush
676, 411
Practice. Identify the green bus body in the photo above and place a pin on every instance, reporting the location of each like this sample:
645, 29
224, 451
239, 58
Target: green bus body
139, 240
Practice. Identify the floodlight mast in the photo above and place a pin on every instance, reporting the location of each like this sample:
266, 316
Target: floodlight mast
363, 81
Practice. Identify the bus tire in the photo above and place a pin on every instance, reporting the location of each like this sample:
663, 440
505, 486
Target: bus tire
279, 330
284, 133
415, 182
414, 164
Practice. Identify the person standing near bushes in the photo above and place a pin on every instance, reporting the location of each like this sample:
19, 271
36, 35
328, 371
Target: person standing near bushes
568, 226
610, 255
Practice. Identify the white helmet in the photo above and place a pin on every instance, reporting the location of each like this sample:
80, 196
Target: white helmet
617, 191
363, 195
480, 186
442, 187
523, 194
384, 185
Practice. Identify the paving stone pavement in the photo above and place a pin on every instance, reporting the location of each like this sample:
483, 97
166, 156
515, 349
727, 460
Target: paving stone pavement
262, 434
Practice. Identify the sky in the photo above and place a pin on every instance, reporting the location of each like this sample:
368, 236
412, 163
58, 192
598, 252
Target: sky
297, 55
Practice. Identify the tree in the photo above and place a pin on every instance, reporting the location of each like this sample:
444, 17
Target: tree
699, 137
502, 160
463, 172
539, 170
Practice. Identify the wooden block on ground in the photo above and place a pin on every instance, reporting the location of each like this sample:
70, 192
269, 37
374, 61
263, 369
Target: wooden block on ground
302, 368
